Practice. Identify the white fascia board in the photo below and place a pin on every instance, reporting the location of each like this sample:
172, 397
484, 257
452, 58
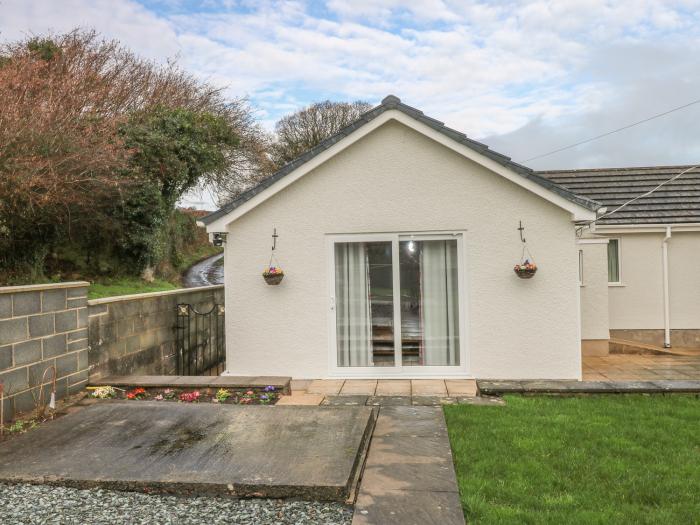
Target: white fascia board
646, 228
593, 241
578, 213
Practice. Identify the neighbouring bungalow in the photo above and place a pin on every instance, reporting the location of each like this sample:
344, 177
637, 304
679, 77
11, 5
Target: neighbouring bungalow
652, 249
408, 250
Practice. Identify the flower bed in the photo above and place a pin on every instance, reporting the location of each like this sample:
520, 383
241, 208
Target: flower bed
268, 395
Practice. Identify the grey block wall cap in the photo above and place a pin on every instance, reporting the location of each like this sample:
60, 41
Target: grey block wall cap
150, 295
42, 287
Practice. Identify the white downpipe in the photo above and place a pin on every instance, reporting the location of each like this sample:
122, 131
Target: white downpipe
667, 312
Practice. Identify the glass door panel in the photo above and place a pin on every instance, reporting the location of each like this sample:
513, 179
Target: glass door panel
397, 302
429, 302
364, 298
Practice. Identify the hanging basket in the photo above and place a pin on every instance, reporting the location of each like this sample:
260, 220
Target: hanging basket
526, 270
273, 275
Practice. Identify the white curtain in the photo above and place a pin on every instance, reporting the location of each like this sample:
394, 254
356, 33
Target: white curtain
353, 316
440, 310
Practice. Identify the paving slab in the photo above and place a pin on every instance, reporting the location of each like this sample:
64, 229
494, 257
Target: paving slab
329, 387
409, 462
409, 476
299, 384
461, 387
393, 387
430, 401
389, 401
302, 398
410, 421
279, 382
353, 387
425, 508
678, 386
428, 387
266, 451
588, 387
481, 401
342, 400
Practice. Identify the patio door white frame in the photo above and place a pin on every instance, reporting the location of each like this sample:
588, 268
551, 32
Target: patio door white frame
398, 370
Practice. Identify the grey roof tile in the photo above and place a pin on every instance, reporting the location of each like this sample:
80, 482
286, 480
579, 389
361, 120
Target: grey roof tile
676, 202
393, 102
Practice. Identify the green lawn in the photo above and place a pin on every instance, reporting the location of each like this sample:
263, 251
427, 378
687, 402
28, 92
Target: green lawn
127, 286
595, 459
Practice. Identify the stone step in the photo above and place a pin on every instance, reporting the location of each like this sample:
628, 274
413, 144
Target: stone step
279, 382
491, 388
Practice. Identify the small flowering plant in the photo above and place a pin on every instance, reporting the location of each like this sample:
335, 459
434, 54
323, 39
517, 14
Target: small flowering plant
221, 395
104, 392
137, 393
169, 393
247, 397
273, 275
190, 397
526, 269
268, 396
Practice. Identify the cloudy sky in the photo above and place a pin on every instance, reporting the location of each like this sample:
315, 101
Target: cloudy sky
526, 77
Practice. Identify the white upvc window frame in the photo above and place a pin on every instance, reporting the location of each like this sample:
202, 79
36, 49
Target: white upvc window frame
399, 370
619, 261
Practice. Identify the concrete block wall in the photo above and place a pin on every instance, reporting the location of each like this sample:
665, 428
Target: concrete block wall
40, 326
136, 334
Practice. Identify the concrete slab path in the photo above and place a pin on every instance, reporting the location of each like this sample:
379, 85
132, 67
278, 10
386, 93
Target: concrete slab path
409, 476
266, 451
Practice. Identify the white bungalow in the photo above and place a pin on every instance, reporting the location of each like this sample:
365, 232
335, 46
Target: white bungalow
398, 238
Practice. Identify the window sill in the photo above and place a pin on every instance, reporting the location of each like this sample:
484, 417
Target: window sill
616, 285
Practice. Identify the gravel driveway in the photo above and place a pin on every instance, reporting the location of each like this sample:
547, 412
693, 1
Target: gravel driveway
41, 504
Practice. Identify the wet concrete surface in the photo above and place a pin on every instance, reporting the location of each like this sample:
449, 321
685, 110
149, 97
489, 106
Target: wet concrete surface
205, 273
305, 452
409, 477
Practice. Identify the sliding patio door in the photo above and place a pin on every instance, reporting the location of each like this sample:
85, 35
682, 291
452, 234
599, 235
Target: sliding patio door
396, 304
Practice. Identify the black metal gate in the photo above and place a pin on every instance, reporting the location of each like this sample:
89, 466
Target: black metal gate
201, 343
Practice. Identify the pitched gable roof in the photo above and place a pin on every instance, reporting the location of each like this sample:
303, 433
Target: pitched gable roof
392, 102
675, 203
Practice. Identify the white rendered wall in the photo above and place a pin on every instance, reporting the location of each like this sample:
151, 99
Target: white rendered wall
398, 180
638, 302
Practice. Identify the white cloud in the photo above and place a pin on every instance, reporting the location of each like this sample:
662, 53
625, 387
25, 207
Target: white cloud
530, 75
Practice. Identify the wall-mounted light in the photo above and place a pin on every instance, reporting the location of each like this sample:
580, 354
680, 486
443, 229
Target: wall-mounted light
218, 239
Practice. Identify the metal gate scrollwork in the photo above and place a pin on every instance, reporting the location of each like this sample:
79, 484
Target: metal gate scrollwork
201, 344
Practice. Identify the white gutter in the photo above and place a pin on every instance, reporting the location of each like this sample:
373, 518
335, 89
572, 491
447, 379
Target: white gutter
667, 313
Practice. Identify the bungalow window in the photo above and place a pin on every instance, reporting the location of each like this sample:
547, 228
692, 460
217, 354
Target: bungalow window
614, 261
